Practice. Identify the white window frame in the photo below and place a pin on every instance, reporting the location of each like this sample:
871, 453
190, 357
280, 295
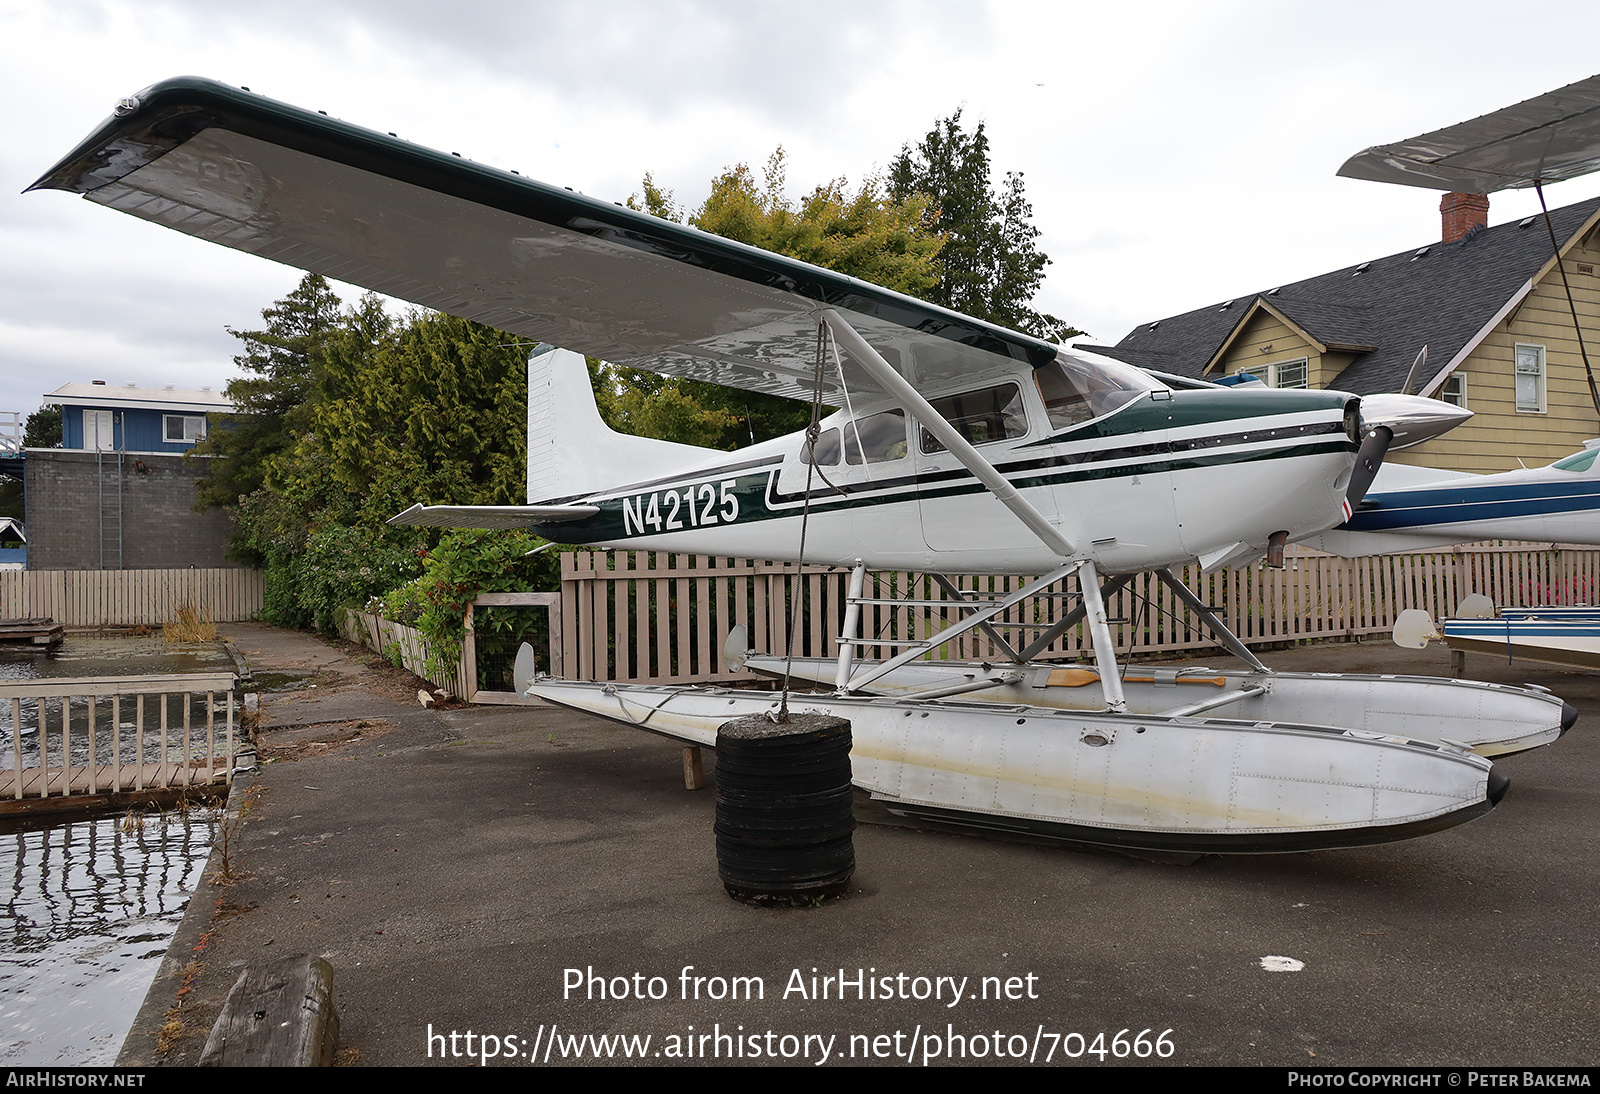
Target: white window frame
1535, 355
1456, 397
1271, 374
194, 428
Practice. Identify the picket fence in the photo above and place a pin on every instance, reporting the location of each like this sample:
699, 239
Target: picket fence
660, 618
112, 598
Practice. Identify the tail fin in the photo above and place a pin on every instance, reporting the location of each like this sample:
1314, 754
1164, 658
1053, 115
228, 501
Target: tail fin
571, 450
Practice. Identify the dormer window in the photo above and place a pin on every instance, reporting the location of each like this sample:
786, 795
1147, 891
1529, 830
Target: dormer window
1296, 373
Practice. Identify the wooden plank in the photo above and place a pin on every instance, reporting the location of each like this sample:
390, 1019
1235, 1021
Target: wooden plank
114, 685
77, 779
277, 1015
705, 667
663, 595
16, 744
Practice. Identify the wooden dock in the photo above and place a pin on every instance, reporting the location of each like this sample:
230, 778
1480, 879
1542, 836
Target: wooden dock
35, 630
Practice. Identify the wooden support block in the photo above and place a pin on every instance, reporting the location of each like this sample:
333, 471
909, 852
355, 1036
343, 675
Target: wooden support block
277, 1015
694, 776
1458, 663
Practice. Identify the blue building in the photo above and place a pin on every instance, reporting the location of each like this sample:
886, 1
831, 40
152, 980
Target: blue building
119, 494
96, 417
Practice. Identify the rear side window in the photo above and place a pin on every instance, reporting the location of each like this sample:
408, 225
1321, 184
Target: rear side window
982, 417
827, 449
878, 437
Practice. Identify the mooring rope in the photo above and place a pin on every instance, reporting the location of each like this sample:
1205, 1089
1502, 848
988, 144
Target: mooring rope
812, 433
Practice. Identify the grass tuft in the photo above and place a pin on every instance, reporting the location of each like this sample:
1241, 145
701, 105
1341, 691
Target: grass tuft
191, 624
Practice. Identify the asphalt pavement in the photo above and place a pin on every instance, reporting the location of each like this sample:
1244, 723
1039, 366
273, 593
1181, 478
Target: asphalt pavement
536, 876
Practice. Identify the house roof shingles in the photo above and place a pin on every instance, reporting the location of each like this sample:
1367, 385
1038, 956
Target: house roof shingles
1400, 303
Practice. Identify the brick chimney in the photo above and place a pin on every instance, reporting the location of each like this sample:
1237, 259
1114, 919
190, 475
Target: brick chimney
1461, 213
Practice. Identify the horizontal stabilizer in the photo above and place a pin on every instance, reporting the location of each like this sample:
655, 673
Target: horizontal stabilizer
1346, 544
491, 516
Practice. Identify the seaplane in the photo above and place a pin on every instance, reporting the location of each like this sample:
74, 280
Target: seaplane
956, 447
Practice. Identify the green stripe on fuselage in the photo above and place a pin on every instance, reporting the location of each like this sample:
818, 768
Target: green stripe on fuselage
1192, 408
751, 491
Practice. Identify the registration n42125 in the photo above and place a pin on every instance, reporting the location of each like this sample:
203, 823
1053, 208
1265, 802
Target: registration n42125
671, 510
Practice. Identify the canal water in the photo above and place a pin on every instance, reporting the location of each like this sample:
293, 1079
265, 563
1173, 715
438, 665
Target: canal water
87, 908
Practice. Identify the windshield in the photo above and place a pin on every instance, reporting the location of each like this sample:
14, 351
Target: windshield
1578, 462
1077, 389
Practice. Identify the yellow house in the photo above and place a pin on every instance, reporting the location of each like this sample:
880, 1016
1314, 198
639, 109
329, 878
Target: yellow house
1488, 303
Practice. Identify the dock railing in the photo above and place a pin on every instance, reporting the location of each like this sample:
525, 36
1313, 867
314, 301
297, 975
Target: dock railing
117, 735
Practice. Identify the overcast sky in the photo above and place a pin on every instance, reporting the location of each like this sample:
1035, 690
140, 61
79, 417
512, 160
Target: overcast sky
1176, 154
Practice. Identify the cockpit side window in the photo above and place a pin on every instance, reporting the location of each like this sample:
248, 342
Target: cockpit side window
827, 449
1076, 390
878, 438
982, 417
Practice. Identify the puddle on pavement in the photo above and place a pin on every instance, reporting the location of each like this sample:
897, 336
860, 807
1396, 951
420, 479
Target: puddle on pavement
281, 681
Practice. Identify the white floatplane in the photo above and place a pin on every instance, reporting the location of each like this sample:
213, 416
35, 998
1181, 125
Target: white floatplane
1567, 635
1418, 508
960, 447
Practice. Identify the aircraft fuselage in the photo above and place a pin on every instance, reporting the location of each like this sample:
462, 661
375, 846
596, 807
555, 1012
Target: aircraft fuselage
1167, 477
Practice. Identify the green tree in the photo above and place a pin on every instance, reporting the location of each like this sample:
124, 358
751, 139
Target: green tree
11, 501
272, 399
860, 232
991, 266
431, 408
43, 428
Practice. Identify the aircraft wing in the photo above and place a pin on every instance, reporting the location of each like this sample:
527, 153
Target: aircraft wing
537, 260
1545, 139
491, 516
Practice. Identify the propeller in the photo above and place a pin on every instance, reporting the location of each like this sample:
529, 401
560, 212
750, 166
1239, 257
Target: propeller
1414, 629
522, 671
736, 649
1414, 377
1374, 446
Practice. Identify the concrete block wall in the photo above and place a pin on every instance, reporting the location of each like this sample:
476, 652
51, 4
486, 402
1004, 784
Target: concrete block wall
72, 512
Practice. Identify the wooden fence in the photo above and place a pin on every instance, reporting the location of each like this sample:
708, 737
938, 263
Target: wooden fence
408, 649
115, 735
634, 615
109, 598
404, 646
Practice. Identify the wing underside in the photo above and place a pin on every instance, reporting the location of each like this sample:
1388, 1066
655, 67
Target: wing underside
535, 260
1545, 139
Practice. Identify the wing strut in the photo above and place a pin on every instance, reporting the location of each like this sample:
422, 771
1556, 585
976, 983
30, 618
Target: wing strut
934, 422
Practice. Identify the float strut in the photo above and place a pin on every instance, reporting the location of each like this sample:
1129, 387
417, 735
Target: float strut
1224, 635
852, 624
1105, 651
